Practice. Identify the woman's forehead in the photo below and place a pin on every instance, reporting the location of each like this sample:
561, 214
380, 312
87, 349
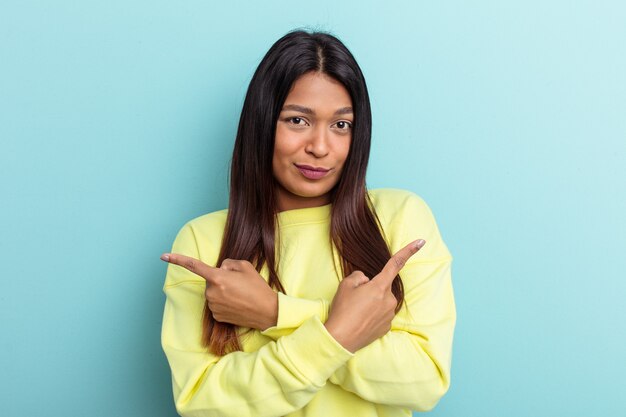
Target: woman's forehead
317, 92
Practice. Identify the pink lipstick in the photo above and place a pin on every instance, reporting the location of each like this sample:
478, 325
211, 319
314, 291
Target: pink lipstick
312, 173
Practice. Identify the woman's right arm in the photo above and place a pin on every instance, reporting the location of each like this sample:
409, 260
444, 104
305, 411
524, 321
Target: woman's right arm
280, 377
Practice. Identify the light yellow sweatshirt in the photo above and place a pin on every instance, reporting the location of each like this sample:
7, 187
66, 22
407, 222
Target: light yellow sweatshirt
297, 368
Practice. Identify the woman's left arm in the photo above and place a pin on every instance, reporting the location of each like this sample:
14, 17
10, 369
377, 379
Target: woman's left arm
410, 365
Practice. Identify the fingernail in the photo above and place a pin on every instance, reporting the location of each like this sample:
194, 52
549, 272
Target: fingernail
419, 243
165, 257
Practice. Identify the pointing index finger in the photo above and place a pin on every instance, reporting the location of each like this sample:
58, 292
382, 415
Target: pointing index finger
398, 260
191, 264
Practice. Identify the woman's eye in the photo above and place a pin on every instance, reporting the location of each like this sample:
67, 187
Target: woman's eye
343, 125
296, 121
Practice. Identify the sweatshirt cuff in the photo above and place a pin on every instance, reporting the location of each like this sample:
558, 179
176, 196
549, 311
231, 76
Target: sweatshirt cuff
313, 351
292, 312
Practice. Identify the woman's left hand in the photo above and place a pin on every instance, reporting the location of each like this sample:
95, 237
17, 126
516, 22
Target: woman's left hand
236, 292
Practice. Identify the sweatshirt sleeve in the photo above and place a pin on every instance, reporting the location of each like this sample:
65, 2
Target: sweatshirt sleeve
410, 365
280, 377
293, 311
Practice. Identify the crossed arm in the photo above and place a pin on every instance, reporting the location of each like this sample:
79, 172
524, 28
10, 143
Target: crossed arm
410, 365
407, 366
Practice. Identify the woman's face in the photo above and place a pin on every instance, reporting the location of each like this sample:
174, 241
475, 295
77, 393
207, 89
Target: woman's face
313, 135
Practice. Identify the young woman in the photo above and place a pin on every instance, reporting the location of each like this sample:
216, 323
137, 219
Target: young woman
290, 302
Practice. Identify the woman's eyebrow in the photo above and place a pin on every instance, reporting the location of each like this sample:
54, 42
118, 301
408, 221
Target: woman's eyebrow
307, 110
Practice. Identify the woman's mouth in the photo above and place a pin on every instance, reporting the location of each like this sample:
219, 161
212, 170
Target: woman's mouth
312, 173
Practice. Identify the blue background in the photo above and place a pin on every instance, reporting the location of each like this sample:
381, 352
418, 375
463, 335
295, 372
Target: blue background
117, 121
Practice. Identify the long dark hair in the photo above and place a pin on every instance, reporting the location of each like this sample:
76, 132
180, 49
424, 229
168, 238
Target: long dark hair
249, 232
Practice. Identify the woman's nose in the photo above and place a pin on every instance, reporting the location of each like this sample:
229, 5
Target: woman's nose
318, 143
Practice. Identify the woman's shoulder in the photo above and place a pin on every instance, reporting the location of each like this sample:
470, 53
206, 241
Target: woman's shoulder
212, 219
405, 216
203, 234
394, 201
391, 193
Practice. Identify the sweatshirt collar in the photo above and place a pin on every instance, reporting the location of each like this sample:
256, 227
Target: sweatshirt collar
304, 215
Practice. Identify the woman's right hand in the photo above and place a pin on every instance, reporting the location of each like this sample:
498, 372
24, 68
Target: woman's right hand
235, 292
362, 309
